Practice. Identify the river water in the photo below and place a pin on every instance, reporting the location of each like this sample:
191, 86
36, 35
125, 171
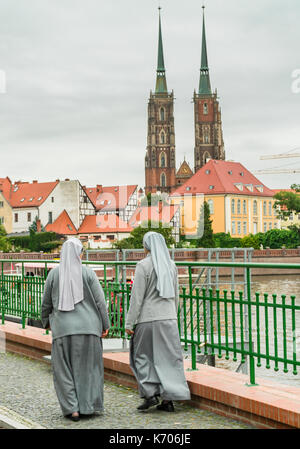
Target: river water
280, 285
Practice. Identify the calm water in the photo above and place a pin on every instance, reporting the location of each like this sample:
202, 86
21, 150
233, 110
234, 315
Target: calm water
280, 285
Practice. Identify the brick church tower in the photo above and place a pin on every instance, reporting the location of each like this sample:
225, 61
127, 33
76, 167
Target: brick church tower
160, 165
209, 142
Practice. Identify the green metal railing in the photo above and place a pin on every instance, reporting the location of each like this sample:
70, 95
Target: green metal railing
239, 324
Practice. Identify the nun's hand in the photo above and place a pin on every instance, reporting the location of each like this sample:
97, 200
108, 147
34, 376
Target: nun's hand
129, 332
104, 333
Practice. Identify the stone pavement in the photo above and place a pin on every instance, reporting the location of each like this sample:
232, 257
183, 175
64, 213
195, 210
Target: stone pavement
26, 388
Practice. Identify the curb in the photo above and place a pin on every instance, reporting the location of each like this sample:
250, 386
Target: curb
12, 420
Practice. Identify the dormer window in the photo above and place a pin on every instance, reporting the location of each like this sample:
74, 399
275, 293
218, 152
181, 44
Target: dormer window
188, 188
260, 188
39, 198
242, 173
211, 187
239, 186
23, 199
30, 199
249, 187
230, 172
207, 172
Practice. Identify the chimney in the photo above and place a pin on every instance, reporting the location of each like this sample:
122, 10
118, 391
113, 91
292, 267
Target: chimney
67, 179
34, 181
160, 206
38, 225
99, 188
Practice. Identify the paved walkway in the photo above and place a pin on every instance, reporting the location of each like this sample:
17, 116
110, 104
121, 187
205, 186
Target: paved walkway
26, 387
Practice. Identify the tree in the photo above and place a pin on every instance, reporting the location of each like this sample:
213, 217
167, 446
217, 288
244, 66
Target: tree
152, 199
33, 226
4, 243
287, 202
207, 239
135, 240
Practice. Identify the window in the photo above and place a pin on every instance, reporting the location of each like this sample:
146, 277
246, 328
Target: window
205, 108
239, 206
291, 217
239, 227
232, 206
162, 160
16, 218
110, 237
163, 180
254, 207
270, 226
28, 216
162, 114
233, 228
1, 220
206, 134
162, 137
265, 227
1, 204
49, 217
85, 199
265, 208
52, 199
211, 206
270, 208
245, 228
244, 207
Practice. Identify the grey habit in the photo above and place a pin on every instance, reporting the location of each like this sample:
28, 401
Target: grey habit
155, 351
77, 362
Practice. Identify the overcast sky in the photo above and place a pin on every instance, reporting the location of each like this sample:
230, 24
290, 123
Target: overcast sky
79, 74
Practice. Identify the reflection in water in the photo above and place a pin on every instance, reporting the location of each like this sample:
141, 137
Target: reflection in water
279, 324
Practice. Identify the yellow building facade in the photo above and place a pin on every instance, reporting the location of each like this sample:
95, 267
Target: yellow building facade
6, 214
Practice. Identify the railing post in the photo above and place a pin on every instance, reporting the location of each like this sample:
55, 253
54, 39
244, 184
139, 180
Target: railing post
250, 345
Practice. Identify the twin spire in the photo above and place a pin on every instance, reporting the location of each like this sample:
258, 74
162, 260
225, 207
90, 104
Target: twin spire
161, 81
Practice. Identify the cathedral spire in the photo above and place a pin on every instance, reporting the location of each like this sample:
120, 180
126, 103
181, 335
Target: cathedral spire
161, 82
204, 85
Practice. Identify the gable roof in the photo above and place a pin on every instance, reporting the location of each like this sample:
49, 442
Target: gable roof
162, 214
221, 177
95, 224
110, 198
184, 170
5, 187
25, 194
63, 225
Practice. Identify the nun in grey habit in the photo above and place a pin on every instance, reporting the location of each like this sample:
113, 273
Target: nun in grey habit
74, 307
155, 351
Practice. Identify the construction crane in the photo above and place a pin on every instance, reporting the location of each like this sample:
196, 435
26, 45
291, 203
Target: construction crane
279, 170
288, 154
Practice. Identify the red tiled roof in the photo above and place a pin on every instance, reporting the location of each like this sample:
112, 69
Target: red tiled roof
110, 198
5, 187
93, 224
217, 177
63, 225
155, 213
284, 190
25, 194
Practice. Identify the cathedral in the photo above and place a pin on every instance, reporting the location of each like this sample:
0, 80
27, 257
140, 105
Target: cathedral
160, 160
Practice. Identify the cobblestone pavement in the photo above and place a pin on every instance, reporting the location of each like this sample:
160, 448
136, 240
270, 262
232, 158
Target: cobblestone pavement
26, 387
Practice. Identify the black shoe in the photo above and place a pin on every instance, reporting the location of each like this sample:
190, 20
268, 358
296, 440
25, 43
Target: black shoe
148, 403
73, 418
166, 406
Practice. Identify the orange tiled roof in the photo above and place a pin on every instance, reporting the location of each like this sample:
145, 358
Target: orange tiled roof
63, 225
110, 198
5, 187
25, 194
155, 213
93, 224
221, 177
